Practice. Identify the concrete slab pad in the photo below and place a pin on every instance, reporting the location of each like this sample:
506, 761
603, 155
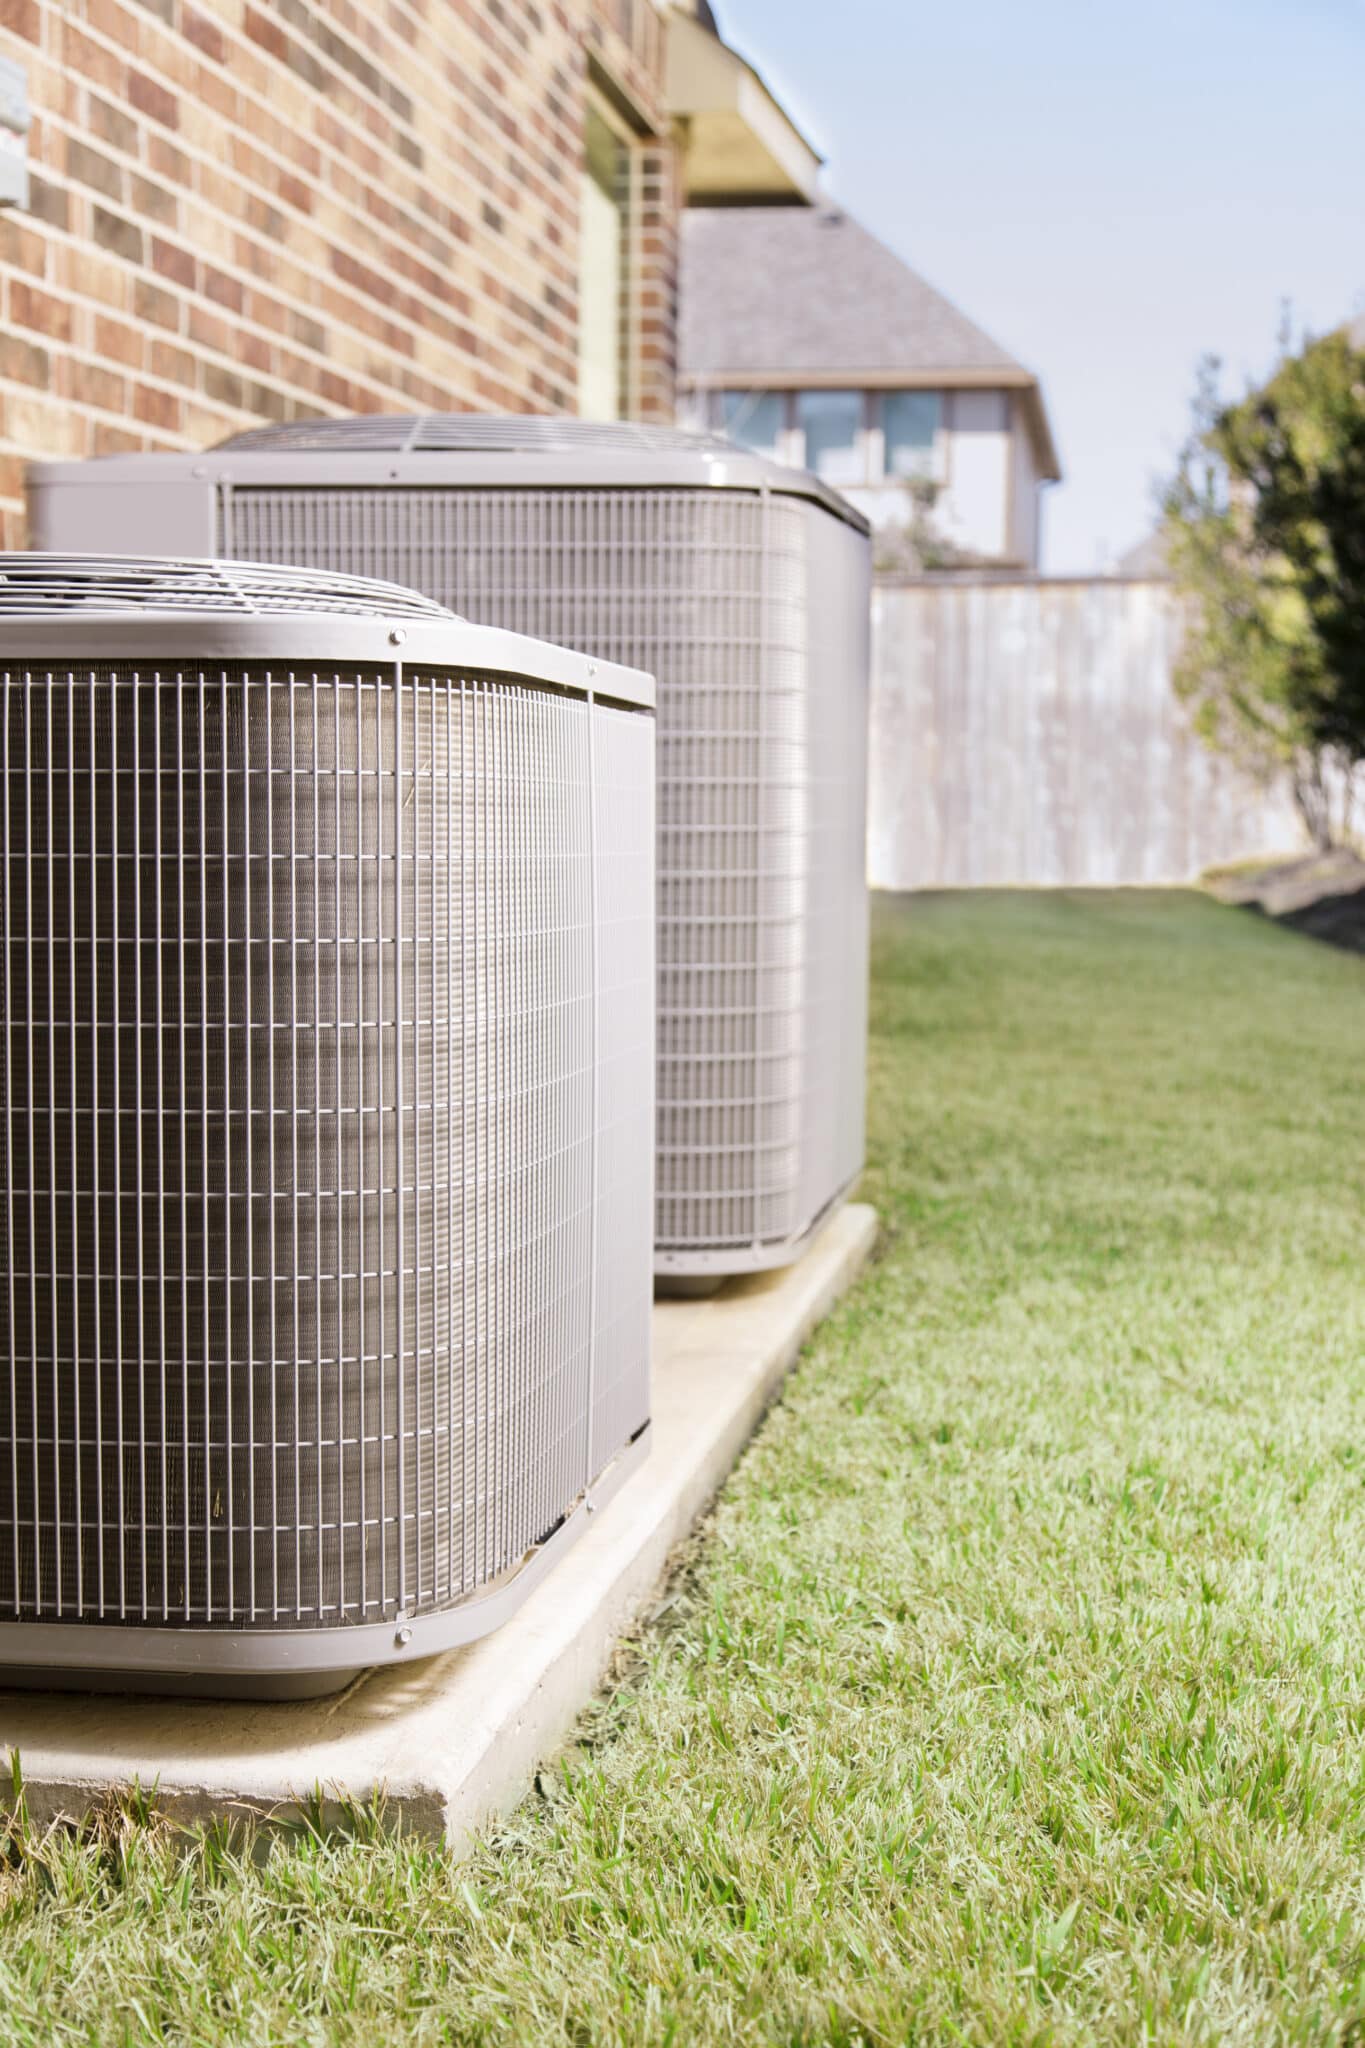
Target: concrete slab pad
454, 1740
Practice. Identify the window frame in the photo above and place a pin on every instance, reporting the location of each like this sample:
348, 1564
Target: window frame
861, 436
934, 467
598, 105
792, 442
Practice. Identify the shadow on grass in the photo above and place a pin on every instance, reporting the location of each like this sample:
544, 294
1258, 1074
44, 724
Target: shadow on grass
1320, 895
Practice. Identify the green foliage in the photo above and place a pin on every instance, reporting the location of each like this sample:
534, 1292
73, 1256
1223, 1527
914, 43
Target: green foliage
1015, 1691
1265, 533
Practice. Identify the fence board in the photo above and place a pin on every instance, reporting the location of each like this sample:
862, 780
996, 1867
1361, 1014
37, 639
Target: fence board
1027, 733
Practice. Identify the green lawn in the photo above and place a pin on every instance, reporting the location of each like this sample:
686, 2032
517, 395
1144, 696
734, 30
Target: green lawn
1016, 1691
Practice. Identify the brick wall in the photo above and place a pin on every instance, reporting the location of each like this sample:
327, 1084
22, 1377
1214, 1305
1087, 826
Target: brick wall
654, 276
249, 210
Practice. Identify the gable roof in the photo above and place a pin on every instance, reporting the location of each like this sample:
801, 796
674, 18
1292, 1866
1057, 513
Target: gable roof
781, 294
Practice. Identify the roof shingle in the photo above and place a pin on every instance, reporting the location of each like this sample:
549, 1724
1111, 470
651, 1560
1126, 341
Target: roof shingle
794, 289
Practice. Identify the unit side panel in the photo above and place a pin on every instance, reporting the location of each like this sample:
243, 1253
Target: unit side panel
136, 516
835, 995
624, 807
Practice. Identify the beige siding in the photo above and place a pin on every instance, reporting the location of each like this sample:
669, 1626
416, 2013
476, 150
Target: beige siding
973, 510
1027, 733
1024, 536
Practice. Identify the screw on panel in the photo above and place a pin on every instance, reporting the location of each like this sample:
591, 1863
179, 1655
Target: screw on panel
397, 637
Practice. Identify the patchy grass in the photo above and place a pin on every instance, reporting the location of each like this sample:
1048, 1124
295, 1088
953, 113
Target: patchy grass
1016, 1690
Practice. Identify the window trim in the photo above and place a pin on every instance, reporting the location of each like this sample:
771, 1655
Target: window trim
600, 103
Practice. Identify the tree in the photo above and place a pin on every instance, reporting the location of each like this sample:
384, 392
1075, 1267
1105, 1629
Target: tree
1264, 526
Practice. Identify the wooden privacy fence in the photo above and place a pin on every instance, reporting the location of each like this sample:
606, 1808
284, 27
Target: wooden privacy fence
1027, 732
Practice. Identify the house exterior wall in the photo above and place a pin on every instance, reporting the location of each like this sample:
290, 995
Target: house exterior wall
247, 210
653, 274
983, 461
973, 512
1025, 507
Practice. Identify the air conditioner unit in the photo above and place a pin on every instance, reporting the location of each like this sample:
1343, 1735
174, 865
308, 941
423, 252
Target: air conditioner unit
744, 588
328, 978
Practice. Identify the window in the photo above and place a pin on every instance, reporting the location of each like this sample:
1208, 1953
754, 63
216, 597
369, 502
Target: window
832, 422
910, 422
14, 126
603, 315
755, 419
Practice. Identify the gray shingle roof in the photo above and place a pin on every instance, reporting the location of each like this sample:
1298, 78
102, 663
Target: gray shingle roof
803, 288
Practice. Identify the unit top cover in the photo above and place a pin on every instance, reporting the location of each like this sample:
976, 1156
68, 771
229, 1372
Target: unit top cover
99, 607
42, 585
533, 449
430, 433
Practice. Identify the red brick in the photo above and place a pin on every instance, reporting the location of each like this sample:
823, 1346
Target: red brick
114, 232
22, 18
173, 365
23, 362
255, 353
50, 317
109, 440
91, 167
156, 307
153, 202
213, 87
117, 342
171, 261
49, 203
112, 125
268, 34
224, 386
21, 247
84, 59
222, 289
153, 99
169, 162
207, 331
293, 192
91, 384
204, 34
158, 408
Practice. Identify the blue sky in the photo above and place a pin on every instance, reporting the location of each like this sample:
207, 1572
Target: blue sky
1108, 190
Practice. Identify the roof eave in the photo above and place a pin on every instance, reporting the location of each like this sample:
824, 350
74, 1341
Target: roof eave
1040, 428
930, 377
743, 146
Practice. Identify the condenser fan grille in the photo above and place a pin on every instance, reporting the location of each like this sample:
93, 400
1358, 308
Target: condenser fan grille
308, 1322
45, 585
760, 810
